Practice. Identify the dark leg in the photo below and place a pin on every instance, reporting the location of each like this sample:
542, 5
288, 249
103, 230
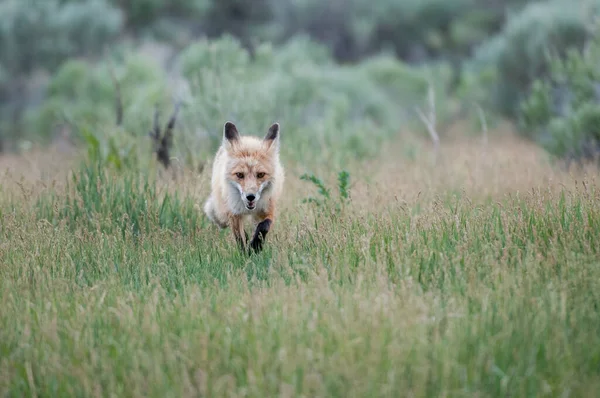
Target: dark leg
260, 234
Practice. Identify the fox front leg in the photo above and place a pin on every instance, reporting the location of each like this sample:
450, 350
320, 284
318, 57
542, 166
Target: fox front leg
260, 234
237, 226
264, 221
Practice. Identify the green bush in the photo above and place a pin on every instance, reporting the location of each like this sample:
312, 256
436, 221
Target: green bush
354, 28
42, 34
38, 36
563, 110
322, 104
521, 52
416, 30
83, 96
327, 110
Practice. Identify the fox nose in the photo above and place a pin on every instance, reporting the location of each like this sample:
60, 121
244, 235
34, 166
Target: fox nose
250, 197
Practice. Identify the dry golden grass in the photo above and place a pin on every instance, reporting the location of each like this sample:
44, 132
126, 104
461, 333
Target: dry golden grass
27, 175
507, 165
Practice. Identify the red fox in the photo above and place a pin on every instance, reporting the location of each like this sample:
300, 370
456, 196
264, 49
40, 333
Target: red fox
247, 180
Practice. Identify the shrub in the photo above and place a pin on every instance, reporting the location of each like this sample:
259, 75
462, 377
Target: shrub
324, 105
354, 28
563, 110
39, 36
520, 53
327, 108
83, 96
36, 34
416, 30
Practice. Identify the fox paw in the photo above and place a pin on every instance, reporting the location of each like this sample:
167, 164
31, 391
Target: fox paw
260, 234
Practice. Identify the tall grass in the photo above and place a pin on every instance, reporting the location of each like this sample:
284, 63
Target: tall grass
449, 294
102, 201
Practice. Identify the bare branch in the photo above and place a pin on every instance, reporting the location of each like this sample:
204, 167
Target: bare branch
162, 145
167, 140
430, 121
431, 100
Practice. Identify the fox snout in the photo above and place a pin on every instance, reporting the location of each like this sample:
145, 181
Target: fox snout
250, 199
251, 192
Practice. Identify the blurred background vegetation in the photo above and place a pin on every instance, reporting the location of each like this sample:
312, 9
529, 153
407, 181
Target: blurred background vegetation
353, 66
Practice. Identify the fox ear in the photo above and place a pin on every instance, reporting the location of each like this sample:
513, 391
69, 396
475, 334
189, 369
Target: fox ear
272, 137
230, 133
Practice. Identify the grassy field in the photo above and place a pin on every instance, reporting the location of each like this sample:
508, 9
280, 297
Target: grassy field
476, 277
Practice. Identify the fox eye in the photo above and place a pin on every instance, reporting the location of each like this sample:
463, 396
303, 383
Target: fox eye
239, 175
260, 175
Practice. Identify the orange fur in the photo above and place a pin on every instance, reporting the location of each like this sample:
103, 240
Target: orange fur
247, 181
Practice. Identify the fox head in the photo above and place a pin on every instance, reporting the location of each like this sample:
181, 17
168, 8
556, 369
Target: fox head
252, 164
